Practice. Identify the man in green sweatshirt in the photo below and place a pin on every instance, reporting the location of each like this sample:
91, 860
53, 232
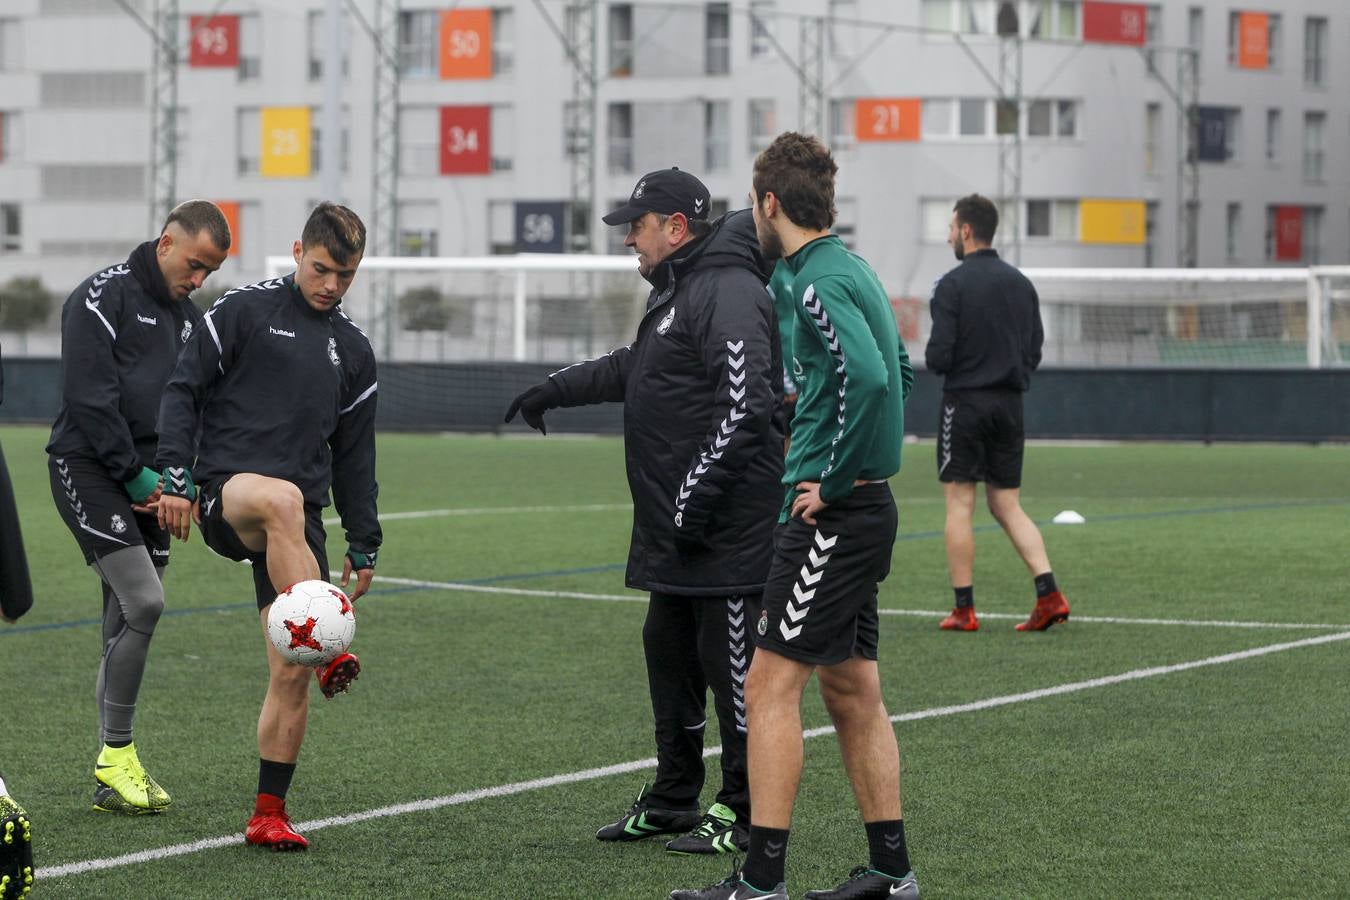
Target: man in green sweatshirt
833, 543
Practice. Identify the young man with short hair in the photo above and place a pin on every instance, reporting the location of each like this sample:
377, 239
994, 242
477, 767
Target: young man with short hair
284, 386
833, 543
986, 342
121, 333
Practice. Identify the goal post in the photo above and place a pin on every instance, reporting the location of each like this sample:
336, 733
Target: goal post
562, 307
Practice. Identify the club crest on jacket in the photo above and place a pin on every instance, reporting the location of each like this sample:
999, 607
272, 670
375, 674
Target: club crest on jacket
665, 323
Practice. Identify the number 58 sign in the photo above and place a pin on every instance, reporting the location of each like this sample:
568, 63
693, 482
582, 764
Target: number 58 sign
466, 140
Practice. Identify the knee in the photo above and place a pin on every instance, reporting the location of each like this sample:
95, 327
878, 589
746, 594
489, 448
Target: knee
848, 699
284, 508
143, 610
290, 678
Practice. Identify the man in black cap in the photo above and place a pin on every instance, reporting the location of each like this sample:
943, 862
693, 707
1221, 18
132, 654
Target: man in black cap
702, 387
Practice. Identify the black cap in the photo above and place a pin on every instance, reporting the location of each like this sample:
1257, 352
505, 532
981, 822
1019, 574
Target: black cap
666, 191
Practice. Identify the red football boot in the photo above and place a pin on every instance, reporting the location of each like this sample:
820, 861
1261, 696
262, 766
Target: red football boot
961, 619
1050, 610
271, 827
338, 674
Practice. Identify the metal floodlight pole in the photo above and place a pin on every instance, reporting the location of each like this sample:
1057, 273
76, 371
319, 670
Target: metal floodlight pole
330, 129
163, 175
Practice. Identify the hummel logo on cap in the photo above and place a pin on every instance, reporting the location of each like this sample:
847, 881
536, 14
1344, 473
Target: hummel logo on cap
665, 191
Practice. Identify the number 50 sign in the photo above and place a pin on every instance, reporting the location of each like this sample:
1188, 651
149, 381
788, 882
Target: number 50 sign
466, 43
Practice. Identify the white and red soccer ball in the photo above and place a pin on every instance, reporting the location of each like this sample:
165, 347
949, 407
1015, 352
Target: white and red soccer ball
312, 623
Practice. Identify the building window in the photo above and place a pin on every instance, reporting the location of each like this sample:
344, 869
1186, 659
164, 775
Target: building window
502, 227
1312, 235
316, 147
503, 41
1233, 231
937, 15
937, 118
761, 41
621, 40
1050, 19
1274, 36
419, 149
934, 220
843, 38
974, 117
11, 137
1052, 219
11, 228
762, 124
1152, 137
1195, 29
417, 49
248, 134
1314, 145
842, 135
419, 228
716, 135
1151, 233
621, 137
503, 125
316, 26
717, 49
1314, 51
250, 46
1272, 135
10, 48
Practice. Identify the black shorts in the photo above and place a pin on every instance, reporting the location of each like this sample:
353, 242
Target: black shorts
97, 510
980, 437
820, 600
221, 537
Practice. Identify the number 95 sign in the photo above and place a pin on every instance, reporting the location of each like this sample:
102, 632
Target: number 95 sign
466, 140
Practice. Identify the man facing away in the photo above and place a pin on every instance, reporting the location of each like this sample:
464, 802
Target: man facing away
701, 386
833, 543
986, 342
283, 383
121, 333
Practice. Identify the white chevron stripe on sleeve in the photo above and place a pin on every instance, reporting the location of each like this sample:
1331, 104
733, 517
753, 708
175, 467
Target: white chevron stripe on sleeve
725, 429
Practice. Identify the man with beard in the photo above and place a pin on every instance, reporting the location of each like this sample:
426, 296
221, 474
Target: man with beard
121, 333
832, 547
701, 386
986, 342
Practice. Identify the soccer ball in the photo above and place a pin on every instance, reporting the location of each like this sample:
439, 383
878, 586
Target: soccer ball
312, 623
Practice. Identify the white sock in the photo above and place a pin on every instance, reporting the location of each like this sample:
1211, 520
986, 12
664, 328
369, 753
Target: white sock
3, 792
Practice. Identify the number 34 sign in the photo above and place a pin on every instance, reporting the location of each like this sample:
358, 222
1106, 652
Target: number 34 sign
466, 140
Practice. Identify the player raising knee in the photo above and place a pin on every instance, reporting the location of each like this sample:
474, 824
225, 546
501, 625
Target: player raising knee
284, 386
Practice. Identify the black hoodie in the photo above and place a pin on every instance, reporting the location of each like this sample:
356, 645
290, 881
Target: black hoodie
121, 333
702, 387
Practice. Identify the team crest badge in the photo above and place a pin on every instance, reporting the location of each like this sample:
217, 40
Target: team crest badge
665, 323
186, 332
797, 371
639, 190
119, 525
763, 626
332, 351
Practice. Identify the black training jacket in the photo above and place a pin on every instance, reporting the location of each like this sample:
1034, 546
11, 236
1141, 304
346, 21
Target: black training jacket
701, 386
281, 390
121, 334
986, 326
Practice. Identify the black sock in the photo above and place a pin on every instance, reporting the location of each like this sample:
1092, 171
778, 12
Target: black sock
275, 777
764, 862
886, 847
1045, 585
117, 744
964, 596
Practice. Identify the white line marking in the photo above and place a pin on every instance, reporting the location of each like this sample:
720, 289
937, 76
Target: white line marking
919, 613
492, 511
520, 787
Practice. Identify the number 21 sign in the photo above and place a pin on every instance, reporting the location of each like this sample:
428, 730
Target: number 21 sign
466, 140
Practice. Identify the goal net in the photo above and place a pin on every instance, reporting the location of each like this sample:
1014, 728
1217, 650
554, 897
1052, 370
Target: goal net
556, 309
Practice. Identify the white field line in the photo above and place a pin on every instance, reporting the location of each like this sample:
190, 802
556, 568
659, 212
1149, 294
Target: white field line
520, 787
492, 511
920, 613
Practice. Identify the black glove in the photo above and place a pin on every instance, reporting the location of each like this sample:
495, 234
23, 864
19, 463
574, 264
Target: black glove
534, 402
